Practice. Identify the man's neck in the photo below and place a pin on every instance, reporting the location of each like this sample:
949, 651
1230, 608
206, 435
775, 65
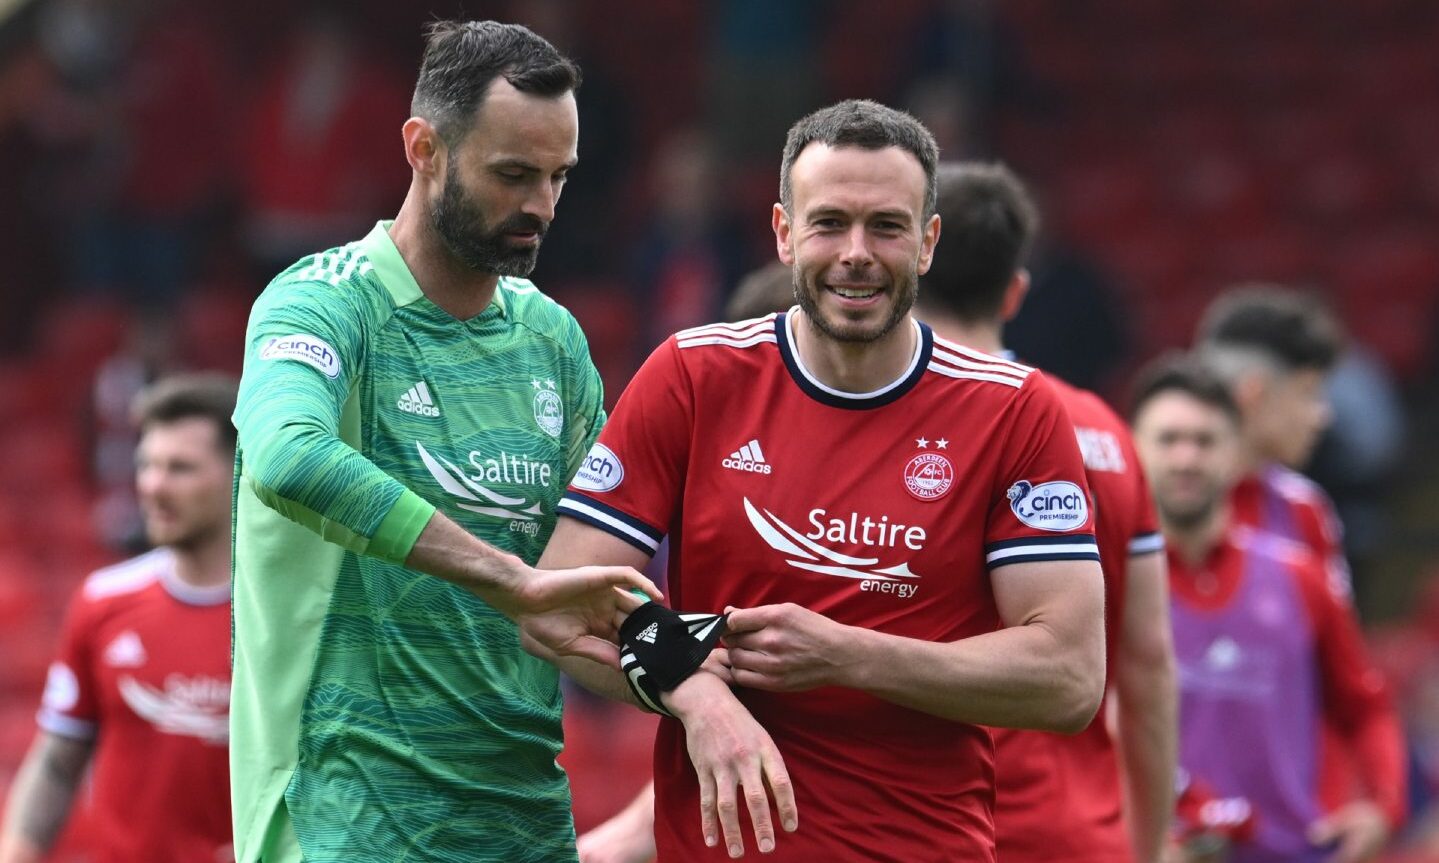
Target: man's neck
206, 564
983, 336
855, 367
1194, 543
443, 279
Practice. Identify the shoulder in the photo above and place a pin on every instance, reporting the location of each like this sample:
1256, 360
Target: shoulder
529, 307
126, 578
335, 280
966, 368
1296, 488
722, 346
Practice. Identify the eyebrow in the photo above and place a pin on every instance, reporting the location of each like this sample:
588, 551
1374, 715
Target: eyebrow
522, 165
830, 210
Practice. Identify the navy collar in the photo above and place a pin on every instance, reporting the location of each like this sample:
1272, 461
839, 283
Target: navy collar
886, 394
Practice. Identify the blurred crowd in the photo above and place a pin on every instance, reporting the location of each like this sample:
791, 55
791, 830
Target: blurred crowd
160, 161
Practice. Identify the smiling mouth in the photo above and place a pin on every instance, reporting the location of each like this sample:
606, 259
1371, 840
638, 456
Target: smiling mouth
856, 292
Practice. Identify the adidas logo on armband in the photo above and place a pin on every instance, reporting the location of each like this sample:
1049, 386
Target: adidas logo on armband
648, 634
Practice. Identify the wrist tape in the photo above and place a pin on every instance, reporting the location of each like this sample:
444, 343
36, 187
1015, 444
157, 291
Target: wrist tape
661, 648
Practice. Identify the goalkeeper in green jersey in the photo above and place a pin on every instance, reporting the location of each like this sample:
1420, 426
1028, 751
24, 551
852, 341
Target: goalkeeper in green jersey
410, 413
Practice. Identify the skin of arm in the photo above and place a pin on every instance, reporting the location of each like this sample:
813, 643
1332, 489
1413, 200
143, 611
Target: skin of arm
727, 747
1147, 704
40, 799
1044, 670
628, 837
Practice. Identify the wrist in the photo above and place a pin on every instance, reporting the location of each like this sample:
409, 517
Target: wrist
688, 699
850, 668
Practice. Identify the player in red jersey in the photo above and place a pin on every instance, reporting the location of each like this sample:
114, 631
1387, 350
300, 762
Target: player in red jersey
1061, 797
140, 689
1268, 649
901, 527
1275, 348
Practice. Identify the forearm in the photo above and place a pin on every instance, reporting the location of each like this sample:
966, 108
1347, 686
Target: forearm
1148, 707
1019, 677
1378, 742
41, 797
446, 550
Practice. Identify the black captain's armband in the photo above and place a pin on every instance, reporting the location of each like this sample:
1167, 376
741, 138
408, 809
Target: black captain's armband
661, 648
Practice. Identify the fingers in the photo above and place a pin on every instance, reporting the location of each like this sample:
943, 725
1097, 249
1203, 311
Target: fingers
709, 820
593, 648
727, 809
756, 800
624, 576
782, 790
627, 600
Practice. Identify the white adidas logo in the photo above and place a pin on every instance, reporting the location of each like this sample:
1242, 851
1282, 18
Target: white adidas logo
649, 633
748, 458
416, 400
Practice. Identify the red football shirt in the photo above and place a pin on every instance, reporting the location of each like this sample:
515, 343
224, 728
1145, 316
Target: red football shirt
144, 668
890, 510
1059, 797
1286, 503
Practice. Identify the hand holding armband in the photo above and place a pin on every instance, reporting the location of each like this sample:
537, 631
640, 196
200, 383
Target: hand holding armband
660, 648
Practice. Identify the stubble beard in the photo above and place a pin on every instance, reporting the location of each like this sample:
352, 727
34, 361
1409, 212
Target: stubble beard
461, 227
808, 300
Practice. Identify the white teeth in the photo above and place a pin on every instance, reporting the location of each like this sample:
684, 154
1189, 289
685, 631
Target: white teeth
855, 293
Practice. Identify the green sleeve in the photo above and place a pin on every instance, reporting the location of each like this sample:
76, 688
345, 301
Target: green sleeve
304, 355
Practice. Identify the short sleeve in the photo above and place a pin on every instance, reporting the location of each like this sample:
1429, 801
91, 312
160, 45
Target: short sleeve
631, 481
1040, 509
1147, 538
69, 706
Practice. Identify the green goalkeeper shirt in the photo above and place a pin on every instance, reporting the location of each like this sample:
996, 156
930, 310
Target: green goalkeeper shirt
380, 714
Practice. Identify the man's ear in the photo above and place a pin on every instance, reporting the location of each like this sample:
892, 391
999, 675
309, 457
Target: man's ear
779, 220
424, 148
1014, 294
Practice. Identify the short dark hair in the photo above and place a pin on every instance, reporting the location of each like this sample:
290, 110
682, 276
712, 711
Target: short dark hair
866, 124
1291, 327
767, 289
988, 223
207, 395
1186, 373
462, 60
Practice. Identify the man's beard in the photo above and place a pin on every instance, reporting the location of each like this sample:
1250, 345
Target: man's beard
461, 226
1188, 518
808, 300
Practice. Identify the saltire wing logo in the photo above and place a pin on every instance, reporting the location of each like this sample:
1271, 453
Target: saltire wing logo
454, 481
803, 553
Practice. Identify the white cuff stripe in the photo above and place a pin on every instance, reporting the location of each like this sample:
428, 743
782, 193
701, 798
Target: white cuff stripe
1067, 548
590, 512
1147, 544
65, 726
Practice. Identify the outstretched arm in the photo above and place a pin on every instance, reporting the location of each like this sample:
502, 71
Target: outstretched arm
40, 799
1044, 670
729, 749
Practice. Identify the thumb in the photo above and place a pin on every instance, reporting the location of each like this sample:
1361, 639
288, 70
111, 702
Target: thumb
1323, 830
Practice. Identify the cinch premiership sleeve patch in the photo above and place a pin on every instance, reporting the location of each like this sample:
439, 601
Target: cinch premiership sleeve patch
662, 648
311, 350
1040, 511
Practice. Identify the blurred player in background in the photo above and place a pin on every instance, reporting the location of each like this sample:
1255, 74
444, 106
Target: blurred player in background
140, 690
411, 410
903, 529
1275, 349
1061, 798
1268, 649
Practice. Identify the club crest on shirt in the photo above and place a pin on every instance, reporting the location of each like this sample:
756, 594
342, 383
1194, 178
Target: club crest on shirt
1056, 506
928, 476
549, 410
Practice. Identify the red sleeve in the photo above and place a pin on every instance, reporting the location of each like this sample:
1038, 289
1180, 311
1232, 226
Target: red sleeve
1356, 698
1326, 536
1147, 539
1039, 509
631, 482
69, 707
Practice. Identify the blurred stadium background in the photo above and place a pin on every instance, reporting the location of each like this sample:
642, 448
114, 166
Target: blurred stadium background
160, 160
